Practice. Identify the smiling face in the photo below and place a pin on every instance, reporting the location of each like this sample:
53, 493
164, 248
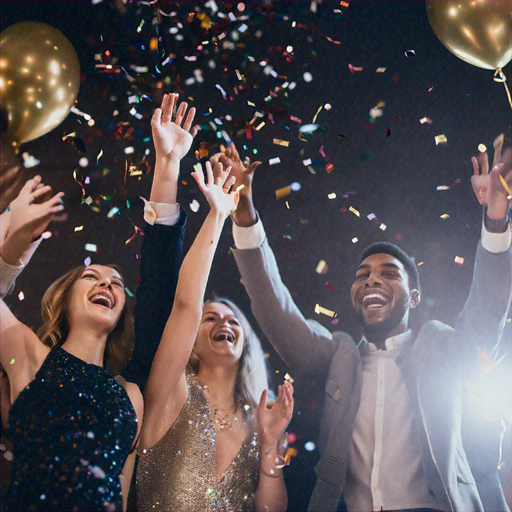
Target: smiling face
381, 296
220, 334
97, 295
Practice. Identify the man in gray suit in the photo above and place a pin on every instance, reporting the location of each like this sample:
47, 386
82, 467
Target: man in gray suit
390, 436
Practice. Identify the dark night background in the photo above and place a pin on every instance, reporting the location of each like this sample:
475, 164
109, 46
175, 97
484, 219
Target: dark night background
389, 166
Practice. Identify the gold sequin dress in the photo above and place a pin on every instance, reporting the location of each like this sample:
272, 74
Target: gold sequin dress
178, 473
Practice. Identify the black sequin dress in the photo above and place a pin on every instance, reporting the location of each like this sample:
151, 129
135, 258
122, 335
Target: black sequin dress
72, 428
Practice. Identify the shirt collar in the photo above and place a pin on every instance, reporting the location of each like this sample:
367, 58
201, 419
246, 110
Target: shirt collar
391, 343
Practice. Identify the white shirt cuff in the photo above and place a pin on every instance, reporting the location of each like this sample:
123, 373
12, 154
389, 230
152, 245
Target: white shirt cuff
167, 214
496, 242
250, 237
9, 273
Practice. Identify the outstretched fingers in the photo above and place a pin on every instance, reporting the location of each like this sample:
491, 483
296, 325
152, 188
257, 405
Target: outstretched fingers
189, 119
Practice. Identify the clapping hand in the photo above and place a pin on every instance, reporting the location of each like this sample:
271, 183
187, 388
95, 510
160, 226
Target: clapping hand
30, 213
242, 171
173, 139
218, 189
273, 422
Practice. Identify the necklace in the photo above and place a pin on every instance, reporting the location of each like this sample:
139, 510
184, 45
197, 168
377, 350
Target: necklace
222, 417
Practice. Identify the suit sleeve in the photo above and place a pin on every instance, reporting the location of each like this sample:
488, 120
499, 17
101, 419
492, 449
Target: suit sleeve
483, 318
161, 258
304, 345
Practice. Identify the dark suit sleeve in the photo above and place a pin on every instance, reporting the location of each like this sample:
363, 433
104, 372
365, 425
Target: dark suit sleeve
161, 258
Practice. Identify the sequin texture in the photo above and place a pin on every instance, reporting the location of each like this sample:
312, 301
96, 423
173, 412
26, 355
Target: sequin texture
178, 473
72, 428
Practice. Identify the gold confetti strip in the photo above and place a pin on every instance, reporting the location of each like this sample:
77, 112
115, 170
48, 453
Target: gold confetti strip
444, 216
324, 311
317, 112
459, 260
260, 126
78, 228
440, 139
280, 142
354, 211
283, 192
506, 186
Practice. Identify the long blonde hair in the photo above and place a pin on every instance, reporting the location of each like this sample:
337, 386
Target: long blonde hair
252, 377
55, 326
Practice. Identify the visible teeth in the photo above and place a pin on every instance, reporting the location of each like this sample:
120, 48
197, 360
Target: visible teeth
224, 336
102, 299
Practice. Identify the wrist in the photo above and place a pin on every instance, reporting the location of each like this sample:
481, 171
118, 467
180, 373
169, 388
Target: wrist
169, 158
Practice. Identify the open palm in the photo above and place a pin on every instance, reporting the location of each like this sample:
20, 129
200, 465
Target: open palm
273, 422
173, 138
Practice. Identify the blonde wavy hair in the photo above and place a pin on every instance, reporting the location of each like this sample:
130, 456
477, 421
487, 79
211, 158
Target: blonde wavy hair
252, 377
55, 326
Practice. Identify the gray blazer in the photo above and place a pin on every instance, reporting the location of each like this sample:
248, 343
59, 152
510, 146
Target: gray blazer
432, 366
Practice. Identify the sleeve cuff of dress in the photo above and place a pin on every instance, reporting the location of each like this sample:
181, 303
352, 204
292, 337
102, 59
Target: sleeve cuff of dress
167, 214
250, 237
496, 242
8, 274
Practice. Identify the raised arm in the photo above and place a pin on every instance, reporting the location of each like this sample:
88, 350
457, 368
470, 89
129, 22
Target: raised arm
271, 492
305, 345
483, 318
162, 246
166, 390
21, 226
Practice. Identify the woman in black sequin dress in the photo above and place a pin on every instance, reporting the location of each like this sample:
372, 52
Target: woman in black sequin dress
71, 423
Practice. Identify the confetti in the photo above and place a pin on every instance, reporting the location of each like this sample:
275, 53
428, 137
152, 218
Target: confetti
295, 186
332, 195
354, 69
322, 267
424, 120
280, 142
444, 216
459, 260
355, 240
307, 76
354, 211
410, 53
21, 296
78, 228
91, 247
12, 361
308, 128
274, 161
194, 205
324, 311
380, 70
309, 446
440, 139
383, 227
371, 216
283, 192
29, 160
443, 187
482, 148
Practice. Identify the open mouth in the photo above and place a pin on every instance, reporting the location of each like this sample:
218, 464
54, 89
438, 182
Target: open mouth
103, 299
223, 336
374, 301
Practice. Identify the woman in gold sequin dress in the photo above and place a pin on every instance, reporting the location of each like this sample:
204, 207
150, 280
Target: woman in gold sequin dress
209, 442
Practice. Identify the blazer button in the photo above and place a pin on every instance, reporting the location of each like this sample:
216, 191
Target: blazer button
337, 394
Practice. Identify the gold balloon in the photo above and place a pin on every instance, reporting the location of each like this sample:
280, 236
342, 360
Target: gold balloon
39, 78
476, 31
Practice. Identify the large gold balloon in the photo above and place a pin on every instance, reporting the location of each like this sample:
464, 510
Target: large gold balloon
39, 78
476, 31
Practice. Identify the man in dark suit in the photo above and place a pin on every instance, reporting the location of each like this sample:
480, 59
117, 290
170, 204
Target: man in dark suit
390, 433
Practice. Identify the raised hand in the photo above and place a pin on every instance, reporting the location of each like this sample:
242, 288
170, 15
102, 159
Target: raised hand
217, 189
30, 213
273, 422
242, 171
499, 193
480, 178
173, 139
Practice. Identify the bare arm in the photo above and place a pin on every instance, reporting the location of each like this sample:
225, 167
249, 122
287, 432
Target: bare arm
271, 492
166, 389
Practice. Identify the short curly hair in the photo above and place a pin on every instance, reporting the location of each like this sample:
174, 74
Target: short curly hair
407, 261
